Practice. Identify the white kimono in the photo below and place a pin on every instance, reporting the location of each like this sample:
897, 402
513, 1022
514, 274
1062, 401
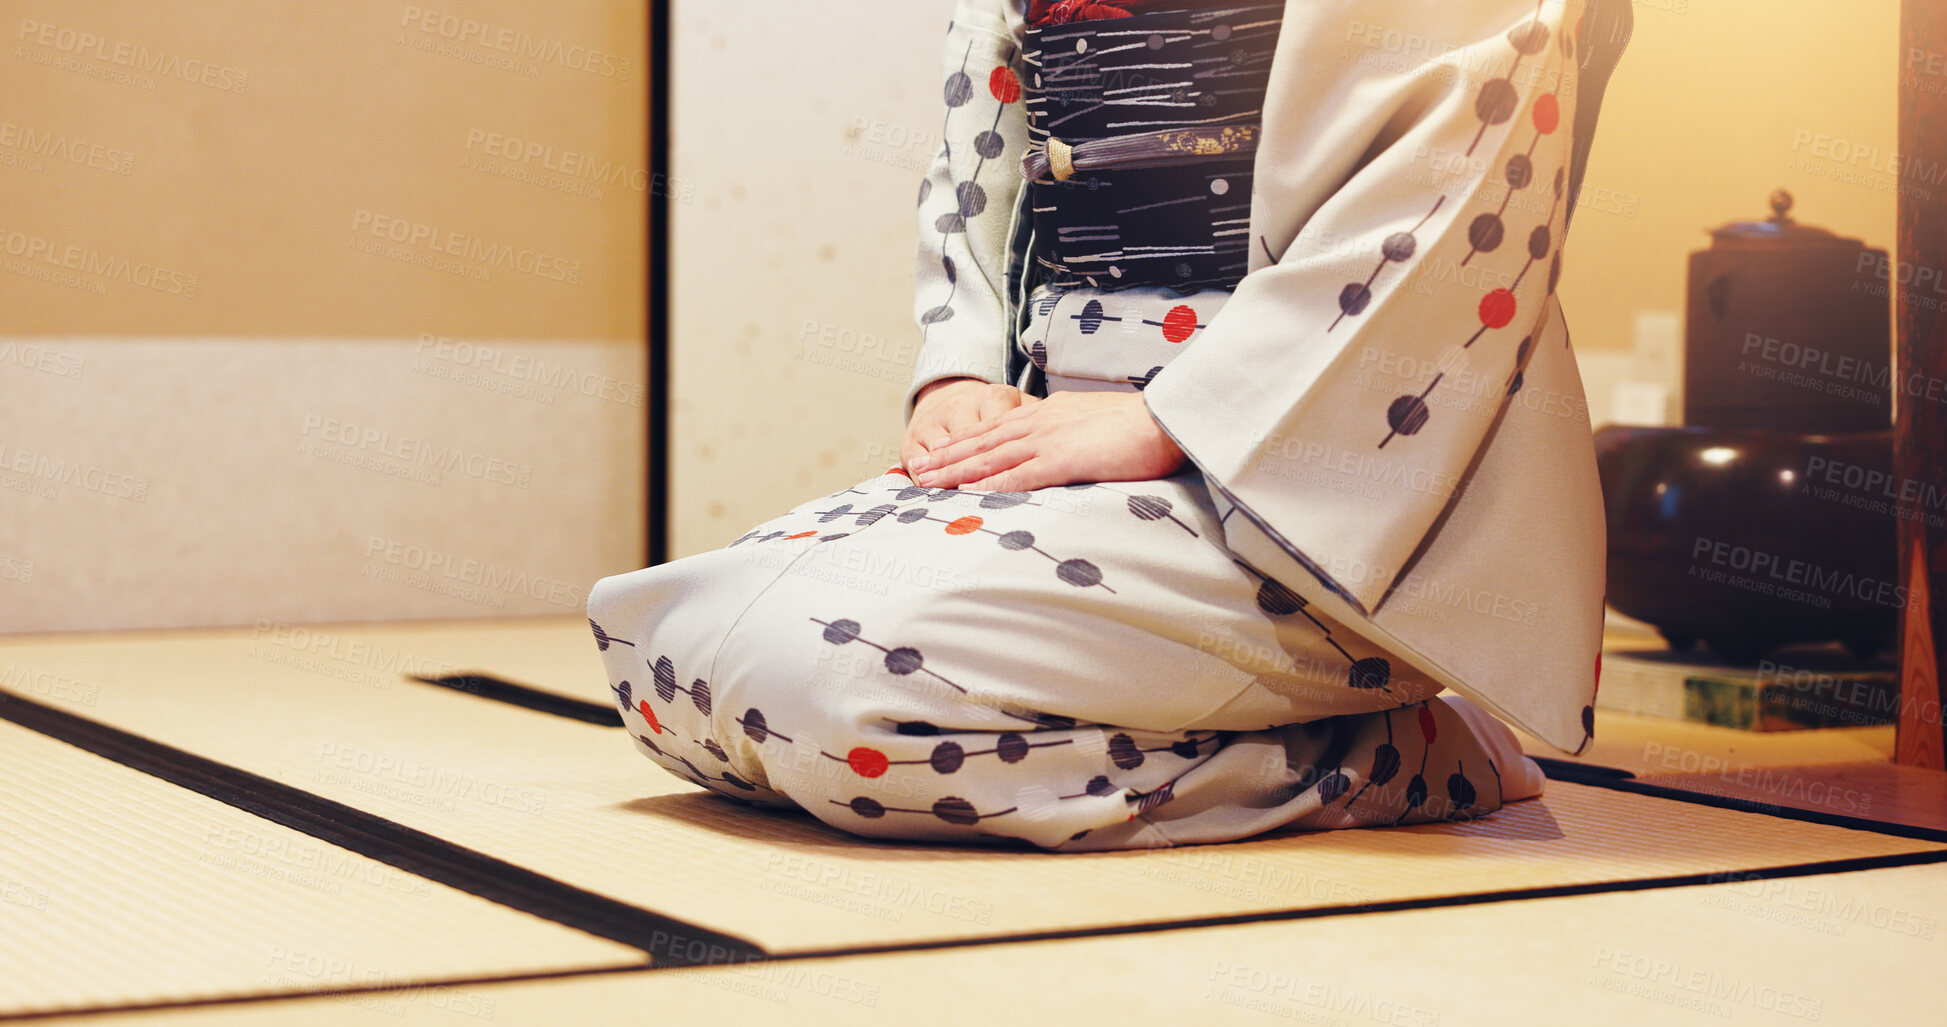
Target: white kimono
1392, 490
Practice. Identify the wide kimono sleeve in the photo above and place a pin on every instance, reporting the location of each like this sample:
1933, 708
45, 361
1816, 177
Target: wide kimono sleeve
967, 200
1412, 189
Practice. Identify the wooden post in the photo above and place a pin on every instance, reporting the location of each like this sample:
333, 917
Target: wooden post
1920, 427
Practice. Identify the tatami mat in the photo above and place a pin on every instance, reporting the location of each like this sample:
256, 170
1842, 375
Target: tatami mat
1855, 948
117, 889
574, 802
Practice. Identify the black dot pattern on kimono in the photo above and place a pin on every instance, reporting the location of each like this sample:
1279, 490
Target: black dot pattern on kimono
665, 674
1017, 540
1277, 599
937, 315
839, 632
624, 694
917, 513
755, 727
1187, 748
1407, 414
1353, 299
955, 810
916, 727
1370, 672
958, 90
700, 695
1520, 172
904, 660
1079, 572
603, 639
949, 223
1399, 246
828, 516
867, 518
1002, 500
1538, 242
1149, 508
925, 190
867, 808
1091, 317
1100, 785
1485, 233
1039, 354
1124, 753
989, 144
1497, 101
1588, 721
710, 746
1530, 38
973, 199
1011, 748
947, 757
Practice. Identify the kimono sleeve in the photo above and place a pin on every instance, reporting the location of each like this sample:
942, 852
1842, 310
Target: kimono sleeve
967, 200
1412, 187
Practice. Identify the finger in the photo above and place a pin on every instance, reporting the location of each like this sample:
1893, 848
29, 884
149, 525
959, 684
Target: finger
1025, 476
997, 435
978, 466
1004, 417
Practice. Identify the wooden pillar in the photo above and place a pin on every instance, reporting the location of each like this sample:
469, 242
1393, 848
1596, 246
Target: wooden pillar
1920, 376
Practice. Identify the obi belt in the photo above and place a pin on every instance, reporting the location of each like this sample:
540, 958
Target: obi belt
1141, 135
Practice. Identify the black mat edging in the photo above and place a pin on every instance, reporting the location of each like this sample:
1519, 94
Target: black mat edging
1476, 898
667, 940
499, 690
1834, 866
1607, 777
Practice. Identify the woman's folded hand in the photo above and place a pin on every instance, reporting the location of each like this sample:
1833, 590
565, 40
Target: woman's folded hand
1068, 438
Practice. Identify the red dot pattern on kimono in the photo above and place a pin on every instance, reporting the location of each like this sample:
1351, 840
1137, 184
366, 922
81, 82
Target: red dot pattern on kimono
867, 762
650, 716
802, 534
1497, 308
965, 525
1547, 114
1428, 729
1004, 85
1179, 323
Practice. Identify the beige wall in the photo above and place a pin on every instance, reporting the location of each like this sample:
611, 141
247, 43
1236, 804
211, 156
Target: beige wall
807, 141
296, 330
1717, 103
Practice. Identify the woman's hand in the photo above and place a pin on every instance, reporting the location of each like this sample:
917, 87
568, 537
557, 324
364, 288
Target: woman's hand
1067, 438
953, 404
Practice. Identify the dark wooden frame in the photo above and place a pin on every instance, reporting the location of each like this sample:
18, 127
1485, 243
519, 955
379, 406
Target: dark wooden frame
1920, 425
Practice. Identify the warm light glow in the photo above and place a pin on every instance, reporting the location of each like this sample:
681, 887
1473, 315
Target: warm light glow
1718, 456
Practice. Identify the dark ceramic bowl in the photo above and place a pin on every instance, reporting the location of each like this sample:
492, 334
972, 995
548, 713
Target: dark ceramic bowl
1751, 539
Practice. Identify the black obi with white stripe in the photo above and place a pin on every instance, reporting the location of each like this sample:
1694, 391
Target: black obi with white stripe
1142, 131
